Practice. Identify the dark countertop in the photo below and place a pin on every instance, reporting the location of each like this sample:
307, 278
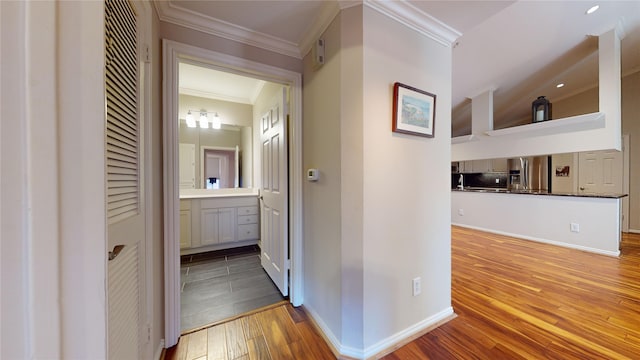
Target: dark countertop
538, 192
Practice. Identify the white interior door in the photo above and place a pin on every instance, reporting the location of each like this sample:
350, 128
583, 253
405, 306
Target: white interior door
125, 208
600, 172
274, 193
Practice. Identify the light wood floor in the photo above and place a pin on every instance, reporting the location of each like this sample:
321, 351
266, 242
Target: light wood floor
515, 299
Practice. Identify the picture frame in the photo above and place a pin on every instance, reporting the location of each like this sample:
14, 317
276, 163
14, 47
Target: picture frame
414, 111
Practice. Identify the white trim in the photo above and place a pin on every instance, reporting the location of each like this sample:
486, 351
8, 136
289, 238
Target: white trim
381, 347
625, 182
173, 53
416, 19
170, 12
171, 195
215, 96
334, 344
634, 231
158, 354
541, 240
322, 22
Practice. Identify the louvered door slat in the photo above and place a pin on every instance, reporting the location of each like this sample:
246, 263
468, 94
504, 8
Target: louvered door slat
122, 114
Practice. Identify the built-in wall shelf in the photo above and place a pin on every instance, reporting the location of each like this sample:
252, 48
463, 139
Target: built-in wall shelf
462, 139
569, 124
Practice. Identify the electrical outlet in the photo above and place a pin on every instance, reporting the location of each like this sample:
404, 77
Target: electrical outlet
575, 227
461, 212
417, 286
497, 181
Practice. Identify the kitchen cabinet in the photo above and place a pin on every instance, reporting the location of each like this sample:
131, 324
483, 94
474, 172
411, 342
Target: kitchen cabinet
483, 166
499, 165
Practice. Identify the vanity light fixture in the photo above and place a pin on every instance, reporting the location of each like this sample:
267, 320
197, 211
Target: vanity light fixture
592, 9
203, 121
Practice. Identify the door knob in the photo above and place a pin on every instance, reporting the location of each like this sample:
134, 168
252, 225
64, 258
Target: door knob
115, 252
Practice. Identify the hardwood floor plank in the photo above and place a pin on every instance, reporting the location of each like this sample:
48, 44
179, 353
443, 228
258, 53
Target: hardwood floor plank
251, 327
197, 345
236, 342
258, 349
217, 343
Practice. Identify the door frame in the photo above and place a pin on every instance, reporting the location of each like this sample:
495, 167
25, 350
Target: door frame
173, 53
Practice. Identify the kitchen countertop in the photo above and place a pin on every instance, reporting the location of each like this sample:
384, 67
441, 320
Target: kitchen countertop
538, 192
216, 193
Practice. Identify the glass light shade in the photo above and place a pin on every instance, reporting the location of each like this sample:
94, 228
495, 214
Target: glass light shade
215, 122
204, 122
191, 122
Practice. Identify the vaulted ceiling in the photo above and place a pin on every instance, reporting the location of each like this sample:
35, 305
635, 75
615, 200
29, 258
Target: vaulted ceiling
520, 49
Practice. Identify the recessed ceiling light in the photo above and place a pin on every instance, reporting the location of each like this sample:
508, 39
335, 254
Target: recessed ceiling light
593, 9
560, 85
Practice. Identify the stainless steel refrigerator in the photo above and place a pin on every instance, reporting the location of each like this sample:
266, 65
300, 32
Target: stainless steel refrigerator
529, 173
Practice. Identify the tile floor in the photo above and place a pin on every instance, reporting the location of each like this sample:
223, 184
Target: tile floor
221, 284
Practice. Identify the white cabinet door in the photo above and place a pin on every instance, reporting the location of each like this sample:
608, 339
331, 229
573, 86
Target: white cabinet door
209, 223
226, 225
218, 226
185, 229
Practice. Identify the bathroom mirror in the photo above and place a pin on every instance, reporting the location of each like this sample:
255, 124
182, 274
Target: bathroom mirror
215, 158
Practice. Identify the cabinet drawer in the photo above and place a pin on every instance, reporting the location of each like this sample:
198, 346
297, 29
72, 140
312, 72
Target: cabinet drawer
247, 219
248, 232
248, 210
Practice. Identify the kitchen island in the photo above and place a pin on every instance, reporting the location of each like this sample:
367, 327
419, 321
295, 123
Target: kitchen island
218, 219
590, 222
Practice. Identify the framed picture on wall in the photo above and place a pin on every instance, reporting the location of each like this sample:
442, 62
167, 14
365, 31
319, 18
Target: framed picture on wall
414, 111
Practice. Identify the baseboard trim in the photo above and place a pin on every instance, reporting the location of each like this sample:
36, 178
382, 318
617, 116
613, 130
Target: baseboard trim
400, 339
384, 347
541, 240
323, 330
634, 231
159, 354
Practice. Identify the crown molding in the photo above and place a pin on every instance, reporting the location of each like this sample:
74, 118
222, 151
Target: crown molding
416, 19
320, 25
169, 12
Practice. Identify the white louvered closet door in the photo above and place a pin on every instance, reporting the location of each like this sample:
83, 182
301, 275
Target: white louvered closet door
125, 213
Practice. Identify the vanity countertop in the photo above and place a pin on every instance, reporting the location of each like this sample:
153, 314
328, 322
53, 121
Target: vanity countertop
217, 193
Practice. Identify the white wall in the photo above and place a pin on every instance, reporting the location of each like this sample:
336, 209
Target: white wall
322, 134
405, 185
366, 236
543, 218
